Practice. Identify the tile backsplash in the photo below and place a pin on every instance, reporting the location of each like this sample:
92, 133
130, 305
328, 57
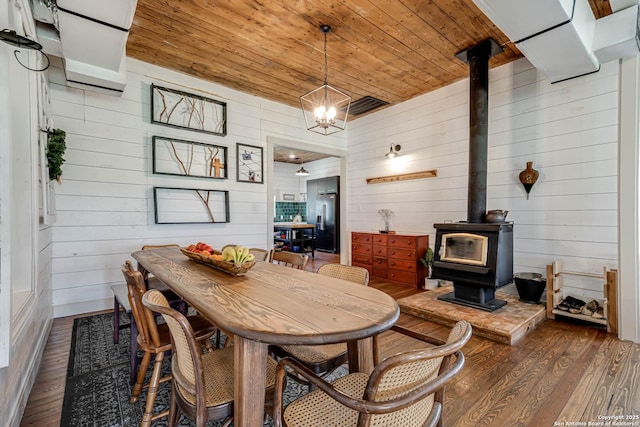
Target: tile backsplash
285, 211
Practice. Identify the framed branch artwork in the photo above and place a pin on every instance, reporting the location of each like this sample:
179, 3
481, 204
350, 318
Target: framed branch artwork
172, 107
249, 163
190, 206
187, 158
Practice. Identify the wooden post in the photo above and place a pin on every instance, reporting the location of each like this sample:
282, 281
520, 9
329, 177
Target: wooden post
550, 292
611, 294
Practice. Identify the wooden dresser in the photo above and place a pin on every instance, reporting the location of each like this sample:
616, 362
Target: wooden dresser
392, 257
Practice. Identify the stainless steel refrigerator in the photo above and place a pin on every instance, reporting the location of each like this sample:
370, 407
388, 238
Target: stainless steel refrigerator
326, 219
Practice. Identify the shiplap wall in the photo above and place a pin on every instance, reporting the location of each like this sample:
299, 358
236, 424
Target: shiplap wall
25, 246
285, 180
105, 201
568, 129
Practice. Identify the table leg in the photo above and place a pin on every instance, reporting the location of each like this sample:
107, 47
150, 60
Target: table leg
250, 366
361, 355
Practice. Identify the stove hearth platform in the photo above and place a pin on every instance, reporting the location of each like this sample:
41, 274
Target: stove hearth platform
507, 325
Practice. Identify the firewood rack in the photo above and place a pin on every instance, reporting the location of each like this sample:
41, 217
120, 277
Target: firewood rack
555, 295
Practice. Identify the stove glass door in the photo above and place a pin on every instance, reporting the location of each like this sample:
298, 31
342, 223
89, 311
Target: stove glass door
464, 248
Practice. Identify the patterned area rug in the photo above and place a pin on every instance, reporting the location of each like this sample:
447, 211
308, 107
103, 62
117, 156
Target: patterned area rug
97, 389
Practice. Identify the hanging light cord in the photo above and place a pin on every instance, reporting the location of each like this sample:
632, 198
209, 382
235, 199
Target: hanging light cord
326, 63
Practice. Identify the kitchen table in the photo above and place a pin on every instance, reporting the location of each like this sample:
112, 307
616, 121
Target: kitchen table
272, 304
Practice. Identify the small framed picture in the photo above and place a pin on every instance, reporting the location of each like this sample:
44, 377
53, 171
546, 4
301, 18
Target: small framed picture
249, 163
289, 197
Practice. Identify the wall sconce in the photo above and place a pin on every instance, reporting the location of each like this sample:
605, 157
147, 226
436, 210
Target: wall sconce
393, 151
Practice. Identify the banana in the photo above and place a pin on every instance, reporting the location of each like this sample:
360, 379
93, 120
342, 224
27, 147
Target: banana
228, 254
249, 258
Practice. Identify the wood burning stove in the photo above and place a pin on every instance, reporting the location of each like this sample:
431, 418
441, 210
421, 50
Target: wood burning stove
476, 256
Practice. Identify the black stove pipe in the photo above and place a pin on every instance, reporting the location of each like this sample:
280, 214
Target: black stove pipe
478, 59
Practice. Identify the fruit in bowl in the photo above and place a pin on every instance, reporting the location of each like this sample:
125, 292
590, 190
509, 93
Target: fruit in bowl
202, 248
237, 255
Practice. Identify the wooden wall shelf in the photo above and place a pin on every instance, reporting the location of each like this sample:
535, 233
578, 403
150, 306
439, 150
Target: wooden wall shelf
403, 177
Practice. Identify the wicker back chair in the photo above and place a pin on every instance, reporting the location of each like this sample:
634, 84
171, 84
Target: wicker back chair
406, 389
346, 272
260, 254
202, 383
324, 359
290, 259
153, 339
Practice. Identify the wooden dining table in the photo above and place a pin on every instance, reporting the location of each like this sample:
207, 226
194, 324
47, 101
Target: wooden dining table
273, 304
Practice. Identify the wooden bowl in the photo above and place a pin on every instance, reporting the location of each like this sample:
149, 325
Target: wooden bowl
224, 266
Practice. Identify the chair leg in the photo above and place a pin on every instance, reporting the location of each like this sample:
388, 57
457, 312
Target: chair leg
174, 414
208, 345
142, 372
152, 391
116, 321
133, 357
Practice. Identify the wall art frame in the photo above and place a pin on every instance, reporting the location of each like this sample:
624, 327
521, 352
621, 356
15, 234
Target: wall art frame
249, 163
174, 205
179, 157
179, 109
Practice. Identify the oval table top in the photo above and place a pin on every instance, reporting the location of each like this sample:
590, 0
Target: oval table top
272, 303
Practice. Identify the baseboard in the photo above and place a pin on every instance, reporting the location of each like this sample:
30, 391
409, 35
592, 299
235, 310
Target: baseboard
82, 307
15, 414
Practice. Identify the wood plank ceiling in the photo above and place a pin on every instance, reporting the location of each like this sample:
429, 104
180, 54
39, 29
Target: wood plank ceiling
393, 50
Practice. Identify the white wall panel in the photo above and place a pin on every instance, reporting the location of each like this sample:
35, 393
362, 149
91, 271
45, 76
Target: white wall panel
569, 130
105, 202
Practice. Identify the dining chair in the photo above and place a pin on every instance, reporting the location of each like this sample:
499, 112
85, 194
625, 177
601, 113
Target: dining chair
202, 387
325, 358
154, 340
289, 259
406, 389
260, 254
121, 302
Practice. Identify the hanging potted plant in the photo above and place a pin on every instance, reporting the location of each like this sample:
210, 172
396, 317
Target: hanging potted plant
56, 146
427, 261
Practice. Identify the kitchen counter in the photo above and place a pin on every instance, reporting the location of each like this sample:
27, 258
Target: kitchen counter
293, 225
291, 236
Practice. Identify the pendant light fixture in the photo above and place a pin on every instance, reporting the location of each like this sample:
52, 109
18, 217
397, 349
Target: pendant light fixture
302, 171
326, 108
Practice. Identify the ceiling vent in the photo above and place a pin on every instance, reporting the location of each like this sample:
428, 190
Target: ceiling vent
366, 104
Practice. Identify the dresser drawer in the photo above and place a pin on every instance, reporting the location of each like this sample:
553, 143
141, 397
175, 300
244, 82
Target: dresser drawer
402, 276
379, 262
365, 265
358, 248
380, 273
402, 253
402, 241
397, 264
361, 259
379, 239
379, 250
361, 238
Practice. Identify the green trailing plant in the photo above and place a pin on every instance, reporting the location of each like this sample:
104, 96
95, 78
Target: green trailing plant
427, 261
56, 146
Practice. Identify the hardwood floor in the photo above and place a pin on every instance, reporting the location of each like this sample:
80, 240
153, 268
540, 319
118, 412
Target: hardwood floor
560, 372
